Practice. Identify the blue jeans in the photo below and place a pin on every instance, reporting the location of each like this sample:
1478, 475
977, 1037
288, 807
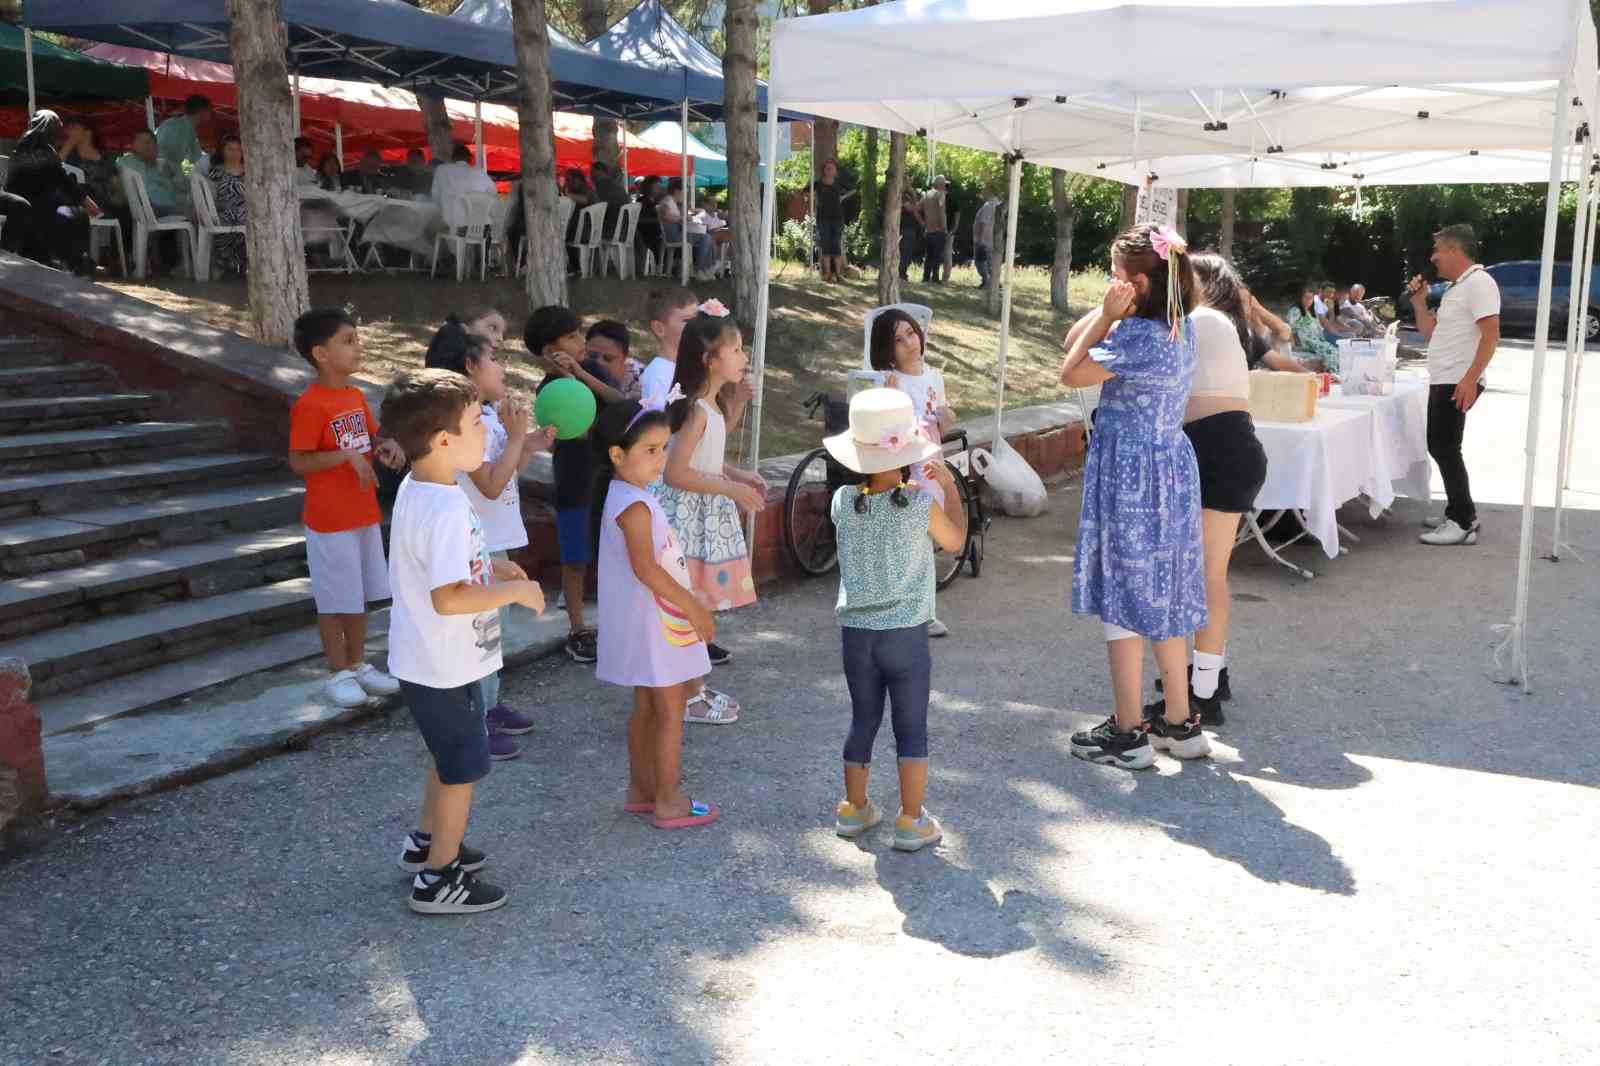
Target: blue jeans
933, 263
700, 245
893, 664
982, 256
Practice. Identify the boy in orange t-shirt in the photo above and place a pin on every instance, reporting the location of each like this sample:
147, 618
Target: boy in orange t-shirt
331, 435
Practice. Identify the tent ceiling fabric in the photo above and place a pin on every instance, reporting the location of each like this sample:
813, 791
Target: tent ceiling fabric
1303, 98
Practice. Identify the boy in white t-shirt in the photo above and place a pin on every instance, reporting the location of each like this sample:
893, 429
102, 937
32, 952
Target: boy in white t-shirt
444, 626
669, 310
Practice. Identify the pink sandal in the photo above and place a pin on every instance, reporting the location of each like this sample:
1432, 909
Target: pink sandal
699, 814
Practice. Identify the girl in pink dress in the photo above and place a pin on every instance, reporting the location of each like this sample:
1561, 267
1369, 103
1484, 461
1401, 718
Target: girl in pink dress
653, 632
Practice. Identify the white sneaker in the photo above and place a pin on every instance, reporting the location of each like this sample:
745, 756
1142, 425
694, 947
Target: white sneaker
344, 690
937, 628
1450, 533
375, 682
1433, 521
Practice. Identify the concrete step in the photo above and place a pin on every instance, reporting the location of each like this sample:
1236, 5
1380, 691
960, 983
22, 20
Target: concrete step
35, 545
63, 491
29, 351
61, 379
137, 582
62, 660
216, 712
38, 413
22, 453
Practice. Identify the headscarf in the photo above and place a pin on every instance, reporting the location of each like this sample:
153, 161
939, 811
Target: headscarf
40, 136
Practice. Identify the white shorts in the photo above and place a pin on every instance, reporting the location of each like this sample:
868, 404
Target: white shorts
348, 570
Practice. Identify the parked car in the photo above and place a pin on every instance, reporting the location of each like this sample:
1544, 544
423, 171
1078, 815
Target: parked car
1519, 297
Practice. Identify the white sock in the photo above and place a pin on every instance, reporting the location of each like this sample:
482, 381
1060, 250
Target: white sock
1207, 669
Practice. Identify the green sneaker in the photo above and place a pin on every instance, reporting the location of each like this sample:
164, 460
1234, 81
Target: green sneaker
851, 821
914, 834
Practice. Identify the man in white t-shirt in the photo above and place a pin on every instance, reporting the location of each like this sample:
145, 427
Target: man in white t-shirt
456, 180
1461, 341
983, 237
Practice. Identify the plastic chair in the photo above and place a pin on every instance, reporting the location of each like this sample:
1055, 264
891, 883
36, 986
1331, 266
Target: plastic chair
619, 249
104, 225
146, 224
669, 259
922, 313
563, 216
208, 224
591, 220
475, 234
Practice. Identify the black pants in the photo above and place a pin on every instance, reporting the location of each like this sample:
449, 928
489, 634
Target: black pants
1446, 426
933, 265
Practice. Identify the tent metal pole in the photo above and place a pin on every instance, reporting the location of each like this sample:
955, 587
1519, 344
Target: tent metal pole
296, 86
338, 142
27, 57
769, 214
1518, 638
622, 133
477, 134
811, 198
150, 113
1577, 338
683, 214
1013, 201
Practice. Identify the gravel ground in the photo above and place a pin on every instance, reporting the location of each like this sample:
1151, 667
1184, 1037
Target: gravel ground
1388, 856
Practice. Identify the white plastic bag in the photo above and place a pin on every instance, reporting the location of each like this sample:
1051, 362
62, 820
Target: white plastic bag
1018, 490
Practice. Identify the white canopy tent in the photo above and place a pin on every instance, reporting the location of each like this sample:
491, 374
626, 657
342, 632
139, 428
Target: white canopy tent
1220, 93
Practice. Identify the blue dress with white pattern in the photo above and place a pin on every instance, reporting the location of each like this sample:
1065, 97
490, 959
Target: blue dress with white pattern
1140, 562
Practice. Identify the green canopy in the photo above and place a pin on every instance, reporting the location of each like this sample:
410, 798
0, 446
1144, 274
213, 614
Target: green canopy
60, 73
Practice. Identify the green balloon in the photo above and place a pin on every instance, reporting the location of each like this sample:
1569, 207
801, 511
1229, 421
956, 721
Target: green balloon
566, 404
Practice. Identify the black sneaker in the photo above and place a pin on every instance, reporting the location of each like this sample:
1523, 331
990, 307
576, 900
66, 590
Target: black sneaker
1182, 741
581, 646
720, 656
1223, 691
414, 856
1107, 744
455, 892
1209, 708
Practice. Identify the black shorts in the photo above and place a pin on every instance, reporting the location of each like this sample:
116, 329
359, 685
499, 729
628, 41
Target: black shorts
1233, 465
452, 725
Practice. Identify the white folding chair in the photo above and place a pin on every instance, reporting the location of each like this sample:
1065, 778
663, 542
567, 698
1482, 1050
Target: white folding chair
475, 234
146, 224
105, 225
619, 249
339, 237
208, 225
591, 220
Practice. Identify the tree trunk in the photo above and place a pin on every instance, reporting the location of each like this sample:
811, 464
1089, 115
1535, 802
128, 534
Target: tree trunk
1066, 218
889, 265
257, 41
1181, 213
740, 22
436, 120
547, 259
1225, 242
825, 135
1130, 205
595, 19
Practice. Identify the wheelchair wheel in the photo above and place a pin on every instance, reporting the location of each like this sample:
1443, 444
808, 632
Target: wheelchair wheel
947, 565
808, 531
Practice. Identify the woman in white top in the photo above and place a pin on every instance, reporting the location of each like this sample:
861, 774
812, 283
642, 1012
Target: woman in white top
1233, 465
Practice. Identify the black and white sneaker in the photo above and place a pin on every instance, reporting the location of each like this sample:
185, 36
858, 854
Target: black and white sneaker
1105, 743
1182, 741
414, 856
1224, 691
453, 891
1209, 708
720, 656
582, 646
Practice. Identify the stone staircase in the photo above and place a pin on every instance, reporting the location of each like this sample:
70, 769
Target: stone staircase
141, 558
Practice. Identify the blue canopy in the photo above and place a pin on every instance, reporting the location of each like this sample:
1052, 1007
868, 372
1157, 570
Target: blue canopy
384, 41
649, 36
581, 80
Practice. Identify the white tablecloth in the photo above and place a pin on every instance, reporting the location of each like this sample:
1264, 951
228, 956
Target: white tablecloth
408, 224
1399, 439
1316, 466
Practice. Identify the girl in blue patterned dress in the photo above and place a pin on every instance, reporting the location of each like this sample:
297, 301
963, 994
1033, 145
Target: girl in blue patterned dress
1140, 557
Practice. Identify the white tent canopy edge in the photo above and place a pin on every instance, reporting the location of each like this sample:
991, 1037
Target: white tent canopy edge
1494, 83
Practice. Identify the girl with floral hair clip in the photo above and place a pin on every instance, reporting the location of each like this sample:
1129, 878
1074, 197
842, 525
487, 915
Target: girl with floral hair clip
1139, 563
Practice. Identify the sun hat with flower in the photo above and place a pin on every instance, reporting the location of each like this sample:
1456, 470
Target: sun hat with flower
883, 434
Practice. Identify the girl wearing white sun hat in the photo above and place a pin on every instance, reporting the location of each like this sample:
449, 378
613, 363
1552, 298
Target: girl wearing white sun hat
886, 533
